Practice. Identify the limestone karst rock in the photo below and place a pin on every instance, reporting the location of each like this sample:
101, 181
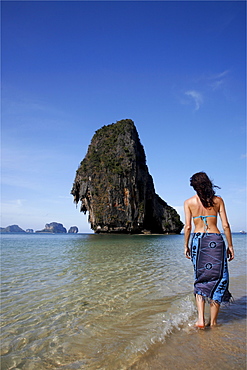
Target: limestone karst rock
53, 227
12, 229
73, 230
30, 231
114, 185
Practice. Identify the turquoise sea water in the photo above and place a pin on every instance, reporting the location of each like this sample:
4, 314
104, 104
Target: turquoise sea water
99, 301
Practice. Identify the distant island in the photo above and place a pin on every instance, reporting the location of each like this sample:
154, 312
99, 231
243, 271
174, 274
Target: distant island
52, 228
73, 230
12, 229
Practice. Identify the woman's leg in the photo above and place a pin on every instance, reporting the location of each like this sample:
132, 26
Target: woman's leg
200, 302
214, 310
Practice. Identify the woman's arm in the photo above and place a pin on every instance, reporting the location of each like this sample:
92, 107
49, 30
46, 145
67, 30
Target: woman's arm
187, 229
227, 230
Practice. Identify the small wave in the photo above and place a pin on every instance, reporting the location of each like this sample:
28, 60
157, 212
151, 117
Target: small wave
180, 313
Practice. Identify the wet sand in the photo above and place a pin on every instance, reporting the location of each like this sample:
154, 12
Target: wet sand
222, 347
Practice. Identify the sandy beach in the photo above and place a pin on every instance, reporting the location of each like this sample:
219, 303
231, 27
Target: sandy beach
223, 347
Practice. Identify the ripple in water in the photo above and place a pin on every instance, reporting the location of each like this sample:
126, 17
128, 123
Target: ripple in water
90, 301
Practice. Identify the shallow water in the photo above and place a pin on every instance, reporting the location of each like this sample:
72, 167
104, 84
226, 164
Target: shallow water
103, 301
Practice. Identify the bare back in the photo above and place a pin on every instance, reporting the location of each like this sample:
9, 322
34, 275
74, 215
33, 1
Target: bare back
206, 218
198, 213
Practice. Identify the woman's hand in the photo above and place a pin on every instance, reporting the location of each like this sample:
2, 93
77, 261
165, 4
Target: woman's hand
187, 252
230, 253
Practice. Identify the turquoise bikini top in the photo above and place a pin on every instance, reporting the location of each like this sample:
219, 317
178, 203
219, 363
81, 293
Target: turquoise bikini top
204, 219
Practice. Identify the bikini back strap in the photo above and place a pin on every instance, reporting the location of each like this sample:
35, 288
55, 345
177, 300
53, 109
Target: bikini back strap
204, 219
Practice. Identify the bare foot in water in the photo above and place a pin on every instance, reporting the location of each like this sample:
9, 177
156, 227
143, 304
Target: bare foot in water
200, 325
215, 325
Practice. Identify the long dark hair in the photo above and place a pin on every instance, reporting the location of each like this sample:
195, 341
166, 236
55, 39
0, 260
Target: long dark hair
204, 188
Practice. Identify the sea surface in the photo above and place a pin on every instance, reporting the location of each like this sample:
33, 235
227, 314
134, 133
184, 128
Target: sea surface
86, 301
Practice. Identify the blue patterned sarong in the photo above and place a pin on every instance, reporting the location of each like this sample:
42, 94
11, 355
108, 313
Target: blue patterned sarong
208, 255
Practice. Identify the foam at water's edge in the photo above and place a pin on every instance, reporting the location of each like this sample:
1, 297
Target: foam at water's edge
179, 314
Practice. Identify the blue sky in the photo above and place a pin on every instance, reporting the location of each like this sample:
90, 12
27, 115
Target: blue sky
177, 69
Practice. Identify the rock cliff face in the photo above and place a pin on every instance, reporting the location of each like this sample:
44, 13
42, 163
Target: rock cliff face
114, 185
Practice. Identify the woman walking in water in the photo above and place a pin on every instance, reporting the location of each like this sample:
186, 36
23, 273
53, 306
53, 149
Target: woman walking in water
208, 252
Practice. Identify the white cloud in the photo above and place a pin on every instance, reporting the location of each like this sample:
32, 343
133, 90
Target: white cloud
218, 80
196, 96
216, 84
220, 75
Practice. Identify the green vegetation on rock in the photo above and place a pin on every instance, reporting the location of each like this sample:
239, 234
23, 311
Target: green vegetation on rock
113, 184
